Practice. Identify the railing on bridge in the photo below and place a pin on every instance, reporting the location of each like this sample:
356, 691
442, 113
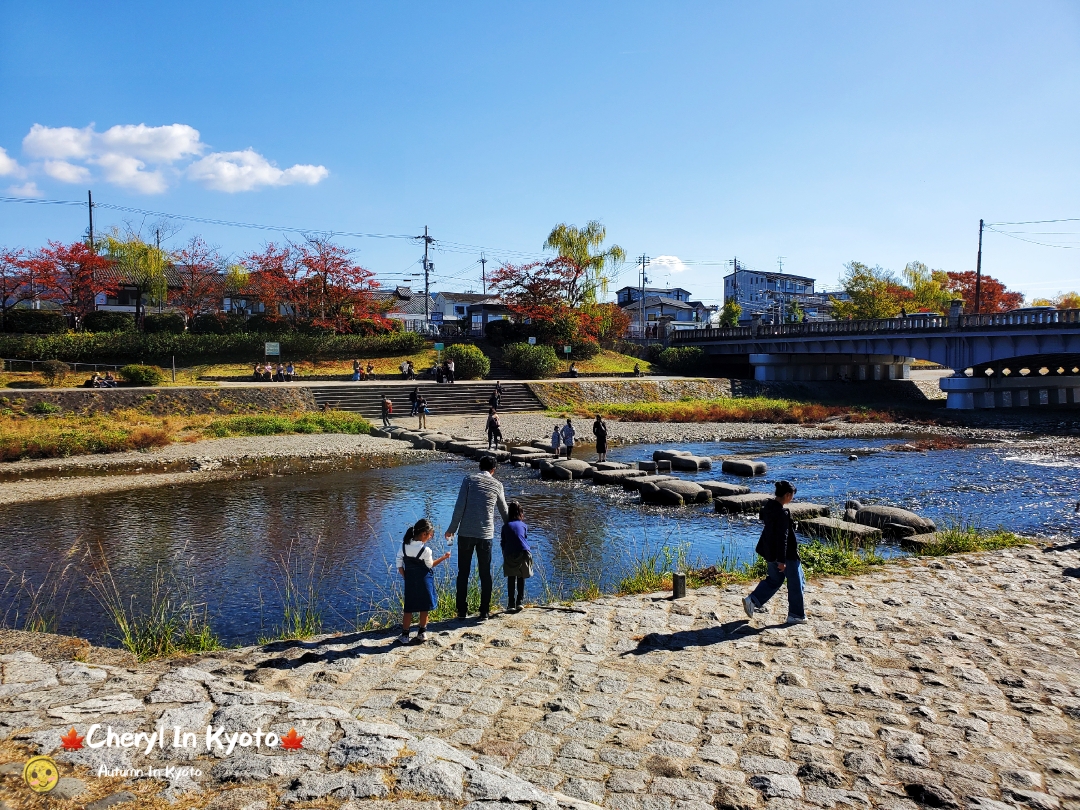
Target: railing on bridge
885, 326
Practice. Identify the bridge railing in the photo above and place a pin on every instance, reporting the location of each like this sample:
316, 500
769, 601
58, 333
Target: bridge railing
884, 326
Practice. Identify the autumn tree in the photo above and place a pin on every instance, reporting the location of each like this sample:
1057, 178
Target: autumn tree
584, 247
730, 313
871, 293
994, 296
71, 276
927, 289
1069, 300
139, 265
15, 286
198, 270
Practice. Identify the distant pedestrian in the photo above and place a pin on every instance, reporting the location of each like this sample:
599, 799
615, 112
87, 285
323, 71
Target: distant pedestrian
474, 514
568, 437
495, 400
290, 372
404, 369
415, 564
517, 556
414, 396
370, 371
599, 430
387, 409
494, 429
256, 372
450, 371
356, 370
422, 412
780, 549
279, 376
903, 312
556, 440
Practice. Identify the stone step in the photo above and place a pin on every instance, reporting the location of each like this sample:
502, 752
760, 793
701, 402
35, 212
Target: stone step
750, 502
829, 528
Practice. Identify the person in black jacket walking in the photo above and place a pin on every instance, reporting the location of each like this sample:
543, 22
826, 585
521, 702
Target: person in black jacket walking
780, 549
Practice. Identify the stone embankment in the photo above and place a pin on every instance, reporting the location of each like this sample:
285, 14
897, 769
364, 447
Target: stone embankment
164, 401
948, 683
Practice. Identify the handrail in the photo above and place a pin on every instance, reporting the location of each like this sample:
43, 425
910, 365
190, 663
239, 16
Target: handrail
886, 326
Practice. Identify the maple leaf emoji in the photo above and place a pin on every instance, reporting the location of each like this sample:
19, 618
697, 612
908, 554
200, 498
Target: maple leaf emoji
71, 741
292, 741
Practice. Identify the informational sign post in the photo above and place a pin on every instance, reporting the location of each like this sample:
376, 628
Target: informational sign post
438, 347
532, 341
566, 349
272, 349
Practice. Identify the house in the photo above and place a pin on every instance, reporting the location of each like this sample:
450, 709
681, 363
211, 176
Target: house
122, 295
483, 312
454, 306
770, 295
406, 306
664, 307
628, 295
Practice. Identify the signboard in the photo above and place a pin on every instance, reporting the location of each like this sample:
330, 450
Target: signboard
436, 317
566, 349
438, 347
273, 349
532, 341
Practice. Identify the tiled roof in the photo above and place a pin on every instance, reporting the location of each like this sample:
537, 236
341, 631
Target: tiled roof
464, 298
660, 300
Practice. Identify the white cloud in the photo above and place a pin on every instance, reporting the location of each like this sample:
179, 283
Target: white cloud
671, 264
26, 190
8, 164
66, 172
248, 170
143, 158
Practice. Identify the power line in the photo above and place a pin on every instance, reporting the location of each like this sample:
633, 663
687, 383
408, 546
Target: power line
1030, 241
1035, 221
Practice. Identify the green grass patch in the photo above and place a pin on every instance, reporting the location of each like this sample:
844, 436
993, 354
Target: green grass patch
742, 409
276, 424
961, 538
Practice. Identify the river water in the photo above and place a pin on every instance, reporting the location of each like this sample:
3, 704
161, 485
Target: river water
225, 542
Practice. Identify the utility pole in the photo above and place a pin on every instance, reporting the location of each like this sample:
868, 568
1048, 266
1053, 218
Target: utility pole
90, 209
483, 272
978, 274
641, 301
428, 266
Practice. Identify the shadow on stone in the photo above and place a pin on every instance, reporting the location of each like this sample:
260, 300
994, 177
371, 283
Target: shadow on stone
684, 639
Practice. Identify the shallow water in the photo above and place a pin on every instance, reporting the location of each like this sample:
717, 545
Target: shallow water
227, 540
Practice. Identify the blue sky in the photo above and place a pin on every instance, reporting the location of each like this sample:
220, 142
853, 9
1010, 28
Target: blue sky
817, 131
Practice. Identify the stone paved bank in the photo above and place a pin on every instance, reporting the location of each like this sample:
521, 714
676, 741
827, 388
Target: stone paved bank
942, 683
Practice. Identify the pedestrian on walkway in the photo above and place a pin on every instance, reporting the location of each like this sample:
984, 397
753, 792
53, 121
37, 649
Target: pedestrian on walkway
450, 371
568, 437
599, 430
422, 411
415, 564
356, 371
556, 440
494, 429
474, 519
387, 409
780, 549
517, 557
414, 395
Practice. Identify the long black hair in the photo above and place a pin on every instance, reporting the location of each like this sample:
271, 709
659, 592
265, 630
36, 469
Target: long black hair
418, 529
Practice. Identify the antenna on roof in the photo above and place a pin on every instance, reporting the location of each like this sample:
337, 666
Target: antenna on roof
780, 261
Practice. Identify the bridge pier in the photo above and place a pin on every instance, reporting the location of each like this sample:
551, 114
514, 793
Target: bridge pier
818, 367
980, 392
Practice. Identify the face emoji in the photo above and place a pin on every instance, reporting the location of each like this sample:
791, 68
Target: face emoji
41, 774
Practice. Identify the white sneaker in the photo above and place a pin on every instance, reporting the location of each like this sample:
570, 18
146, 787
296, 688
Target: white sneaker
403, 638
749, 606
796, 620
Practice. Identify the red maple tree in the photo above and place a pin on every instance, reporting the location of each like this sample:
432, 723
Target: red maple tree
70, 276
292, 741
15, 284
71, 741
197, 268
994, 296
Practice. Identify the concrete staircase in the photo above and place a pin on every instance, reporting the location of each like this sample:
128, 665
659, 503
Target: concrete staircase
365, 398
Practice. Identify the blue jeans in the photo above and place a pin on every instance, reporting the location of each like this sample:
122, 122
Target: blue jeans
774, 578
466, 547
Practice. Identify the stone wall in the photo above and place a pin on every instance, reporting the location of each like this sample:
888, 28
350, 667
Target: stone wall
163, 401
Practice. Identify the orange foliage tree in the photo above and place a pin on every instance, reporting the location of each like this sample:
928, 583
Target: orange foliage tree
198, 269
995, 297
70, 276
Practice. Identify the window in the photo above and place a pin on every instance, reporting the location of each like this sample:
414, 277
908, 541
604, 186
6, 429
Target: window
459, 310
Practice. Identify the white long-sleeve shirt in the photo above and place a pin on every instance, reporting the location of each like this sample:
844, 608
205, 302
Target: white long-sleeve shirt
568, 435
412, 548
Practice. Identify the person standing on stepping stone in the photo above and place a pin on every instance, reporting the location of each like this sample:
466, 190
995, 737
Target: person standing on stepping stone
568, 438
599, 430
780, 549
474, 518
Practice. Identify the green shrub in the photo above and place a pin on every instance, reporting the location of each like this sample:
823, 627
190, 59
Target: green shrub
86, 347
54, 371
216, 323
531, 362
653, 352
584, 349
105, 321
263, 323
143, 375
44, 408
469, 362
34, 322
170, 322
683, 359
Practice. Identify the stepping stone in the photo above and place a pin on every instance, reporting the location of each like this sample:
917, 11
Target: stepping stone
743, 466
881, 517
611, 465
647, 466
615, 476
918, 542
634, 484
674, 493
526, 451
750, 502
537, 459
683, 460
833, 529
721, 489
564, 470
804, 511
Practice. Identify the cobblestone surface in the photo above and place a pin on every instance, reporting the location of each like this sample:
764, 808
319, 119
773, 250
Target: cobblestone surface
933, 682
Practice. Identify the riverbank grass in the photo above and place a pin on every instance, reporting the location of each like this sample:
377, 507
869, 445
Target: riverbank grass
962, 538
50, 435
734, 409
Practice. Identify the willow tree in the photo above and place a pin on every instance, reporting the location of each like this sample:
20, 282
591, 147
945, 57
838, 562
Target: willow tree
139, 265
585, 248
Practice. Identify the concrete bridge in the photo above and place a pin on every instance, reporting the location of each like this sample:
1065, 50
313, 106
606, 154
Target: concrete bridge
1003, 360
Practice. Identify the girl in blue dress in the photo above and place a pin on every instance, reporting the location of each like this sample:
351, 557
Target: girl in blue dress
415, 564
